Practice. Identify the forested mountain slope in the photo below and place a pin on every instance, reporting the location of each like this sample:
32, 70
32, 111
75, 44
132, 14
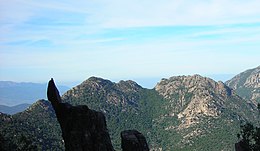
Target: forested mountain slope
180, 113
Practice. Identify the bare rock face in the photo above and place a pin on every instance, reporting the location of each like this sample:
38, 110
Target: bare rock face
191, 97
83, 129
247, 84
197, 105
132, 140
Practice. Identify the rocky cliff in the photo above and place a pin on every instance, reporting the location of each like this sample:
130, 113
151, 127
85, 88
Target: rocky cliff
191, 96
200, 106
247, 84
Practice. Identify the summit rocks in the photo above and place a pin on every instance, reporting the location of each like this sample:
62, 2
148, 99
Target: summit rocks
193, 96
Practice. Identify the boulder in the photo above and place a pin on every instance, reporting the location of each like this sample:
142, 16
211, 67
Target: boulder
132, 140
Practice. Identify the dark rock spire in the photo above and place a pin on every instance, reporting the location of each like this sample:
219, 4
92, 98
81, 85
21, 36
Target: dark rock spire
83, 129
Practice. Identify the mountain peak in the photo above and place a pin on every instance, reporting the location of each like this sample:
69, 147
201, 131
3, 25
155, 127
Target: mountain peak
43, 104
94, 83
128, 86
192, 83
194, 96
247, 84
121, 83
112, 93
97, 80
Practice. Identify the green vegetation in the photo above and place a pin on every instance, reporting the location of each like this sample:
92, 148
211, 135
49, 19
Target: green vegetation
37, 127
250, 136
136, 112
246, 85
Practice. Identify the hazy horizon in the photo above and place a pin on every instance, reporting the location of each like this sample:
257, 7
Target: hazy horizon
136, 40
149, 82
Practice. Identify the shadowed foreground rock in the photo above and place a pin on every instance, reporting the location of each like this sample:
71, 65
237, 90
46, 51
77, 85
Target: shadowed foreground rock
239, 146
132, 140
84, 129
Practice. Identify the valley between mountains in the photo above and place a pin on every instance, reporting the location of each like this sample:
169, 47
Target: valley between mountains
179, 113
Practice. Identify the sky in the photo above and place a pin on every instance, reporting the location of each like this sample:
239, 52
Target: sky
127, 39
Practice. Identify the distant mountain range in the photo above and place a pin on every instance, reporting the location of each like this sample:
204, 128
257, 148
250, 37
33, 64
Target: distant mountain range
179, 113
13, 109
13, 93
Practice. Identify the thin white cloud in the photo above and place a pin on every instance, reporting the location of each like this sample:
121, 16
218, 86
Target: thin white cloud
135, 13
180, 12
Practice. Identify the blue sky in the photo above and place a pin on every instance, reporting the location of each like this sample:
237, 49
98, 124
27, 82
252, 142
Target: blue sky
127, 39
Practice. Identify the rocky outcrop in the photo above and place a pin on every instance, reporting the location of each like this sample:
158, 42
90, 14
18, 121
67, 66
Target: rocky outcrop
191, 97
247, 84
84, 129
132, 140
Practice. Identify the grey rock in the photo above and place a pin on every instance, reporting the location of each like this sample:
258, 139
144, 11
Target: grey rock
247, 84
